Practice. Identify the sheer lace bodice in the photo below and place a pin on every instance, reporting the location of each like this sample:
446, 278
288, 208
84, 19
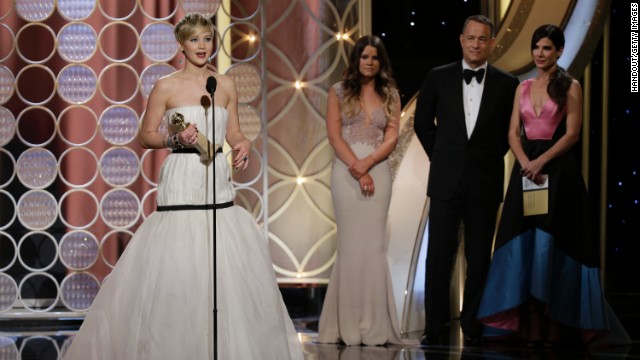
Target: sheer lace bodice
356, 129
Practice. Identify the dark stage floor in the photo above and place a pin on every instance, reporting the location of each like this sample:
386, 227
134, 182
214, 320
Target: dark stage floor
456, 350
46, 338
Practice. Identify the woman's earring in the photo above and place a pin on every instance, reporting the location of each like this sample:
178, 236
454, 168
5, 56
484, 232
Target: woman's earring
181, 56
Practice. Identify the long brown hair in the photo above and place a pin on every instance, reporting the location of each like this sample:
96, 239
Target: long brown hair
384, 86
560, 80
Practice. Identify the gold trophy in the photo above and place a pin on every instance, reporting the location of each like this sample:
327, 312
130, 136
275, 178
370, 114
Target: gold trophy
202, 144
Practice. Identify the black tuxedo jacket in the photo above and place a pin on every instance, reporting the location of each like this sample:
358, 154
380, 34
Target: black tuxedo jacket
440, 125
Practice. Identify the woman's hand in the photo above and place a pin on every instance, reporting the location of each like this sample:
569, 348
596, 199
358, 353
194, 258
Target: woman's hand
242, 151
188, 136
532, 170
366, 185
360, 167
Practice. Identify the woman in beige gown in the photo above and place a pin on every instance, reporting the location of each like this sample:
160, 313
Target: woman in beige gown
363, 114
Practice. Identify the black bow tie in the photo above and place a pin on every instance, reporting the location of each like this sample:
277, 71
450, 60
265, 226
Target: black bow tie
469, 74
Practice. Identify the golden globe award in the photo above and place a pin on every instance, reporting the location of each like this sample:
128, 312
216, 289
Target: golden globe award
202, 144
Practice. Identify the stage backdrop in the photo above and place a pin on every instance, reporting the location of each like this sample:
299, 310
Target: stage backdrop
74, 182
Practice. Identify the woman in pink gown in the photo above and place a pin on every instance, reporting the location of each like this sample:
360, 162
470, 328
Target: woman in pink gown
544, 281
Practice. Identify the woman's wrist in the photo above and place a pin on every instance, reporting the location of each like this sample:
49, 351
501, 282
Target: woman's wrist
176, 142
173, 142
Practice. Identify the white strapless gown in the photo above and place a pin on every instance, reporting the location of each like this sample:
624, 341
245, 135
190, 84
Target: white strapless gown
157, 303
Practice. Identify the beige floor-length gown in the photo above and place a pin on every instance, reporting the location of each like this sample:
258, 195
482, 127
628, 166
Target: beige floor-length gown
359, 306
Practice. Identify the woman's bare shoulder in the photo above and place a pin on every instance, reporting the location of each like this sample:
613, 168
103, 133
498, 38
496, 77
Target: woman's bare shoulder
575, 85
224, 80
168, 82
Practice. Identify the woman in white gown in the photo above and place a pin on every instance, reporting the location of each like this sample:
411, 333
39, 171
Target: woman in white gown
158, 301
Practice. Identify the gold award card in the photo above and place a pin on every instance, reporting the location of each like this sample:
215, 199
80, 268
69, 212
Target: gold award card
535, 198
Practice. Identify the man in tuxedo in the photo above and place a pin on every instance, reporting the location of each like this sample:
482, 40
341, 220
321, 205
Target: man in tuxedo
462, 118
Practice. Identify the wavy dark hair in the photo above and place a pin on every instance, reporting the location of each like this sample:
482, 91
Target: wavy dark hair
560, 80
384, 86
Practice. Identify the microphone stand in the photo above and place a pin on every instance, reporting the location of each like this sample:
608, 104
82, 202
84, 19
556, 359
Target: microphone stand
211, 90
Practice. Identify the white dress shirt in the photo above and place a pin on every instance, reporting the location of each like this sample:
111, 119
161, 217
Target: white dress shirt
471, 96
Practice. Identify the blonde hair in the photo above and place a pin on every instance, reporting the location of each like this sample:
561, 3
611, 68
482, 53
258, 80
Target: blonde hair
385, 85
190, 24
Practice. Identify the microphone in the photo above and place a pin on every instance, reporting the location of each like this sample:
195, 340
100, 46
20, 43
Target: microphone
211, 88
206, 149
211, 85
